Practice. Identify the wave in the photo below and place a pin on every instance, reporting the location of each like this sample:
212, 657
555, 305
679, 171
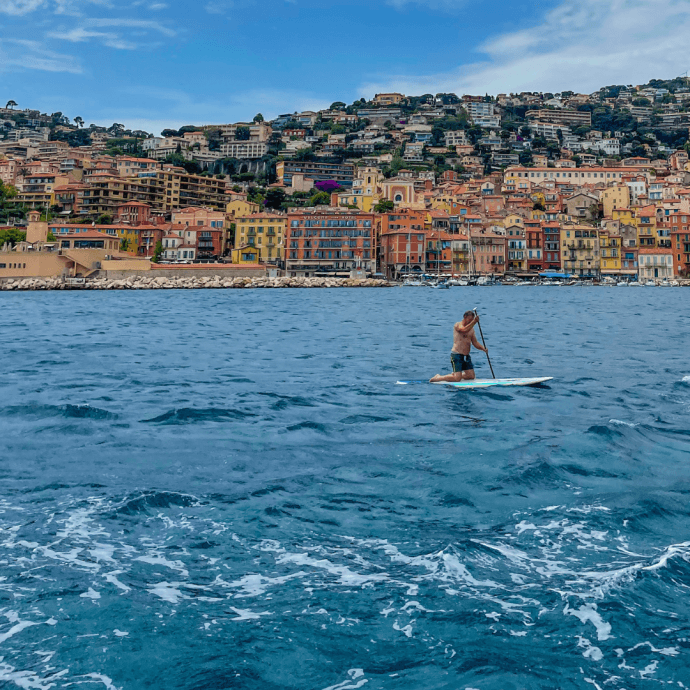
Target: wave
282, 402
188, 415
141, 503
605, 432
68, 411
363, 419
315, 426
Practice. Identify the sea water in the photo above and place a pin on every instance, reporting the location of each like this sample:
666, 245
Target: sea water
227, 489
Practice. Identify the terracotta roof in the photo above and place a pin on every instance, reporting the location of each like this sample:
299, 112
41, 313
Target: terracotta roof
90, 234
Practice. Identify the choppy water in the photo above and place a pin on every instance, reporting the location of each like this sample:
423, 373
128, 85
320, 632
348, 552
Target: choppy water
226, 489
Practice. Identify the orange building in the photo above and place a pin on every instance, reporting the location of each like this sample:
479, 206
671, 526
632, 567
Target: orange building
329, 241
680, 243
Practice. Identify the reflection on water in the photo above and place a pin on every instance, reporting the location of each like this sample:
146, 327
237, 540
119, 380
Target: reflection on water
227, 489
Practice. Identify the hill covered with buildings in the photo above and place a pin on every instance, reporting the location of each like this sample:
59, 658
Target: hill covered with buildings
587, 184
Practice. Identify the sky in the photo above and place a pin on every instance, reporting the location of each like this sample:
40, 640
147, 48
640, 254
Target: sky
152, 64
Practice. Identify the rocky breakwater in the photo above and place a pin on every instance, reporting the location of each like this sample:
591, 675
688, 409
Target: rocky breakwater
191, 283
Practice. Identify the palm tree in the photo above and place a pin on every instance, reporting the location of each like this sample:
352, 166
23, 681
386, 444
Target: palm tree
11, 104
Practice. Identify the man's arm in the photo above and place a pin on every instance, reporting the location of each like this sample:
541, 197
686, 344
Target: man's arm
460, 328
477, 344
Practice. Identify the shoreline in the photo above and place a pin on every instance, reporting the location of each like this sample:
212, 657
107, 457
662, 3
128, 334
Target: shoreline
191, 283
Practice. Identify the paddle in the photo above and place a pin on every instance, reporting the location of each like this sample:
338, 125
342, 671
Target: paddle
484, 343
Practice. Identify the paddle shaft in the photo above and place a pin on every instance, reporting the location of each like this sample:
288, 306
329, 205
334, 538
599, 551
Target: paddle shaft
484, 343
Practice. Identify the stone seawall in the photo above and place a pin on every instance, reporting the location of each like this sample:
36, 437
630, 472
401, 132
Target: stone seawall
187, 283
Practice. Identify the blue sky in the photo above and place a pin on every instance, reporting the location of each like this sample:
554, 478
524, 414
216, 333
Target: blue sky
155, 63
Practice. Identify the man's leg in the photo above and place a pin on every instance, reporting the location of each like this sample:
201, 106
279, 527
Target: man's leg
448, 378
468, 375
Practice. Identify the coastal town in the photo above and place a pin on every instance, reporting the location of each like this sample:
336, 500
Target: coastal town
593, 187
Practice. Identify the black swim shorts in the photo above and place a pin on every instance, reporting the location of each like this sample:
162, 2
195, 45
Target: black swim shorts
461, 362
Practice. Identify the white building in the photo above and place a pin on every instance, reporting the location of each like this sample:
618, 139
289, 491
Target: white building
548, 130
244, 149
457, 138
655, 266
609, 147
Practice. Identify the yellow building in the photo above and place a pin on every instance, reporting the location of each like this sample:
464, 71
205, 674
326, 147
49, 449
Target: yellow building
38, 189
245, 255
610, 250
615, 197
624, 215
647, 232
580, 250
516, 256
262, 232
514, 219
365, 192
128, 235
240, 207
388, 98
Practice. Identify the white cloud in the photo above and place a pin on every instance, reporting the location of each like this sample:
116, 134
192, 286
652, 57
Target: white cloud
580, 45
218, 6
18, 7
80, 35
69, 7
131, 24
112, 39
18, 54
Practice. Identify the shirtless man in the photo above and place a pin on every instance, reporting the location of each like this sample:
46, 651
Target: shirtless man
463, 339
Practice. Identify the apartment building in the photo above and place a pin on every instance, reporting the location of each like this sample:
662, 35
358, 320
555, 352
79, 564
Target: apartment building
262, 232
173, 188
570, 118
586, 175
386, 99
488, 252
549, 130
329, 241
38, 190
129, 166
456, 138
580, 250
342, 173
655, 263
244, 149
680, 243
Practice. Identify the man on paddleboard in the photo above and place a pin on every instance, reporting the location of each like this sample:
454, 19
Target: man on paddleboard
463, 339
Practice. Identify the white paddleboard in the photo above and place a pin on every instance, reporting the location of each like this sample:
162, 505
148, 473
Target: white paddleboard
489, 383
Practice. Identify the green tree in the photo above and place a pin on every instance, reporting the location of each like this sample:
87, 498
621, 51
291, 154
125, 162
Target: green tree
258, 117
11, 105
12, 236
274, 198
169, 133
242, 134
320, 199
339, 105
78, 121
384, 206
124, 244
397, 164
105, 219
157, 252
